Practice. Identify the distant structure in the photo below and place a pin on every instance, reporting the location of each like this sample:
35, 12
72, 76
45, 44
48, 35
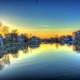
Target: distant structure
1, 41
76, 41
34, 42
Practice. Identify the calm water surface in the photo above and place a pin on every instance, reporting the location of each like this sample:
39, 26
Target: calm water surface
45, 61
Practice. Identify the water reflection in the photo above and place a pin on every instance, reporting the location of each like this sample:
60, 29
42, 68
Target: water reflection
12, 43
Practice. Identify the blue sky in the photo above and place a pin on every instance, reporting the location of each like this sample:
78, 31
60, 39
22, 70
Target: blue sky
54, 13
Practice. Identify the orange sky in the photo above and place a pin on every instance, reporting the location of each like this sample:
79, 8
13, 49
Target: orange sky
49, 35
31, 32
